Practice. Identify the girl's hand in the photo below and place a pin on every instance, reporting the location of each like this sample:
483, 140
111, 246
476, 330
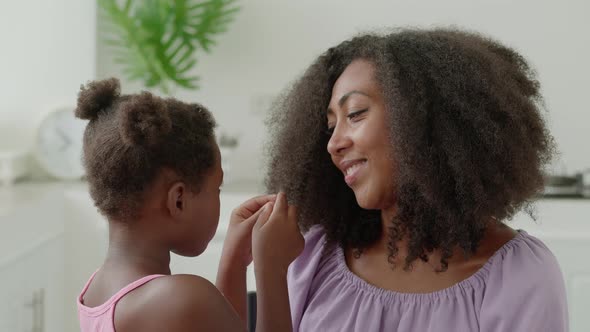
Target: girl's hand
237, 247
276, 239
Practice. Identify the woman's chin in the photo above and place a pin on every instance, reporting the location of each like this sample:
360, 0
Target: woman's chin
366, 202
374, 202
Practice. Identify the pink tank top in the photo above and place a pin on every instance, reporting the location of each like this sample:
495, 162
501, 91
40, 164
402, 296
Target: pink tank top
102, 318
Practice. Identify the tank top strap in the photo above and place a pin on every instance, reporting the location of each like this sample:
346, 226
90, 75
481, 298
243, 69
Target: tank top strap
132, 286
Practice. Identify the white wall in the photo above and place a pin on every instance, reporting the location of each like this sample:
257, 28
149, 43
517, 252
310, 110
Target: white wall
48, 49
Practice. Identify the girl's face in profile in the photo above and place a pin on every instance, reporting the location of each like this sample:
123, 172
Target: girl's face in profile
359, 144
201, 216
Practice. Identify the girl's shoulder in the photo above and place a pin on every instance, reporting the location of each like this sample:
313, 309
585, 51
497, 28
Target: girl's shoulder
175, 302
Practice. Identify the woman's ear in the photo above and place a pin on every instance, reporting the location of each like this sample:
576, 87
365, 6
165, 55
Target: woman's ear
176, 200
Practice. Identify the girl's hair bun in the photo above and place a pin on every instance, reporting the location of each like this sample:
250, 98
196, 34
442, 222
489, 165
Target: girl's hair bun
97, 96
144, 120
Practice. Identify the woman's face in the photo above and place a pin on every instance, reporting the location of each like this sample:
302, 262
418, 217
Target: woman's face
360, 145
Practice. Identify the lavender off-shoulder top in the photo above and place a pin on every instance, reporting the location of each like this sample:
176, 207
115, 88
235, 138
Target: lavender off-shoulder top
520, 288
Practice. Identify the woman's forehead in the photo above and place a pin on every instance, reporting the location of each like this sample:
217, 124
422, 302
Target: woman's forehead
357, 79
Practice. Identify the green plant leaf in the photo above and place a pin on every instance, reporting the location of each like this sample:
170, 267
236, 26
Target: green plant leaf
210, 18
156, 41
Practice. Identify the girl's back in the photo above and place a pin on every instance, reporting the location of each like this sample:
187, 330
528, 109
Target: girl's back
154, 303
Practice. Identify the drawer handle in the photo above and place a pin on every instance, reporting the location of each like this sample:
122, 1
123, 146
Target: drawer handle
37, 304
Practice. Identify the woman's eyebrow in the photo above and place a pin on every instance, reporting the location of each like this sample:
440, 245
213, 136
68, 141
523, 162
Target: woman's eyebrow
345, 97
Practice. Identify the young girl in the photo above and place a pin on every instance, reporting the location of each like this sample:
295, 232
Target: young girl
154, 171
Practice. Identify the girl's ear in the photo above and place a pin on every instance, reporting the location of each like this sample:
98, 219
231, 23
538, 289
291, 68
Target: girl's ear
176, 200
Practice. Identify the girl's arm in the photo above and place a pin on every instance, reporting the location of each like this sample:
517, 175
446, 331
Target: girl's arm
276, 242
237, 253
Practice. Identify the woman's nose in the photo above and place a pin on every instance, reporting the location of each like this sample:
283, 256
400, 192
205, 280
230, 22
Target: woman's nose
339, 141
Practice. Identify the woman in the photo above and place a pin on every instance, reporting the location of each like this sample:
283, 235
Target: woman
405, 153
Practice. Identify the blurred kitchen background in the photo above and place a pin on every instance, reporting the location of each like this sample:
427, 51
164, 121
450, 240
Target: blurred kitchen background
52, 238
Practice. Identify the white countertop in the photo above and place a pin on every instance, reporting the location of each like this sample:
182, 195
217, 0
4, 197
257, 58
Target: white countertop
31, 213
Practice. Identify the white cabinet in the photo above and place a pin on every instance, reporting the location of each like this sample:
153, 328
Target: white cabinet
31, 260
32, 290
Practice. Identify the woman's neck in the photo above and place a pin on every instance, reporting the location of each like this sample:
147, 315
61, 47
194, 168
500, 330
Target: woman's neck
496, 235
387, 216
134, 249
383, 245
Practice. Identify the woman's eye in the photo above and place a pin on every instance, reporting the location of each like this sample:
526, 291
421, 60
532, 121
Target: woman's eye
354, 115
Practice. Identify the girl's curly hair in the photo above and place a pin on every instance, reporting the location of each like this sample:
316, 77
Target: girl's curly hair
130, 139
465, 126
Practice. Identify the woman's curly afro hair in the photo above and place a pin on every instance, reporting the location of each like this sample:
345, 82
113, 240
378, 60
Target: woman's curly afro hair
466, 130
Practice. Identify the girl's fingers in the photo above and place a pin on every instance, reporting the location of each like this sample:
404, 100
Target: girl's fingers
265, 213
280, 205
251, 206
253, 218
